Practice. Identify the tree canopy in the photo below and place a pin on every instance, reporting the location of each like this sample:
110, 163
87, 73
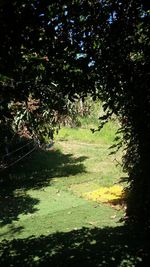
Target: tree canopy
52, 51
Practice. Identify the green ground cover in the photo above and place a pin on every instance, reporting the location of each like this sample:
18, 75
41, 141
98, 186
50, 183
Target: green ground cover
44, 218
105, 136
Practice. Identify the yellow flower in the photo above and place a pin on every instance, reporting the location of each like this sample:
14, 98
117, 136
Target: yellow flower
105, 194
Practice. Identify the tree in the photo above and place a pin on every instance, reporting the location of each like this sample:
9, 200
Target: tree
96, 47
24, 72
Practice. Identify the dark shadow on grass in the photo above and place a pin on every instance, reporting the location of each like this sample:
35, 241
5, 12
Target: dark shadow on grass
38, 170
11, 206
33, 173
12, 231
111, 247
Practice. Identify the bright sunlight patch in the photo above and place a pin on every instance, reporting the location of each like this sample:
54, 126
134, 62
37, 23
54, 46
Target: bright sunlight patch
106, 194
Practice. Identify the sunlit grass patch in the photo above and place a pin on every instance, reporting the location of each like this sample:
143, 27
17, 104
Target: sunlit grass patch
113, 194
105, 136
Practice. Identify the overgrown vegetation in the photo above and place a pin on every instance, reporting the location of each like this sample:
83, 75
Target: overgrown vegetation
63, 50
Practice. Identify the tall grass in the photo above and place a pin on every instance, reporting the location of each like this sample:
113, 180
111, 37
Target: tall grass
106, 135
92, 118
82, 132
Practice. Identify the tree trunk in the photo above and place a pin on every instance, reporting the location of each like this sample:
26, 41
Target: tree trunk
138, 206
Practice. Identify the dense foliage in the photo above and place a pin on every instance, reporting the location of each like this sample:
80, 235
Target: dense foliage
55, 50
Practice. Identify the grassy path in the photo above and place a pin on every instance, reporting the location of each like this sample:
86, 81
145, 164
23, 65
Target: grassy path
49, 198
46, 220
